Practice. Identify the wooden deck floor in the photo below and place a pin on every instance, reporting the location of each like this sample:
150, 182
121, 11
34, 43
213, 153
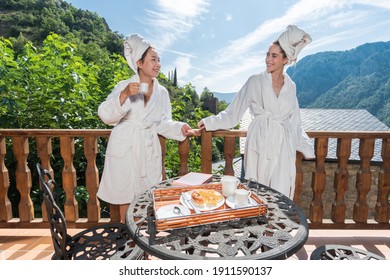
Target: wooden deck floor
35, 244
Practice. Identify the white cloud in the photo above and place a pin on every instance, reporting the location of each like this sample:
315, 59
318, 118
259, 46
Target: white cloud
246, 54
182, 8
215, 79
303, 11
183, 65
173, 19
348, 35
228, 17
346, 18
313, 16
377, 3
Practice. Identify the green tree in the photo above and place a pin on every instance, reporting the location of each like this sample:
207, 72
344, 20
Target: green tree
206, 94
175, 78
9, 78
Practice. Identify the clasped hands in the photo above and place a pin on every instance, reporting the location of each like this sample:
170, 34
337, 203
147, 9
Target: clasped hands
188, 131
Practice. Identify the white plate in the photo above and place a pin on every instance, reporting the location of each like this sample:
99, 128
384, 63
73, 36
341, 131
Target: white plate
167, 211
205, 208
230, 202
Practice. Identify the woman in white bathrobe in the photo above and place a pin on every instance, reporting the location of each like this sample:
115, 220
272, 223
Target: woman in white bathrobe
133, 160
275, 133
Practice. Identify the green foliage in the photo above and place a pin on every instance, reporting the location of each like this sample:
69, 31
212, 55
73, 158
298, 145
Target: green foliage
222, 105
185, 107
56, 76
8, 78
206, 94
60, 84
58, 63
34, 20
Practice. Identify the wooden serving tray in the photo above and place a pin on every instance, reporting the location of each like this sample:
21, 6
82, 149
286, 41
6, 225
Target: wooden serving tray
167, 196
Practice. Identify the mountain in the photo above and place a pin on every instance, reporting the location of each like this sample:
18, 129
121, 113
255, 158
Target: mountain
354, 79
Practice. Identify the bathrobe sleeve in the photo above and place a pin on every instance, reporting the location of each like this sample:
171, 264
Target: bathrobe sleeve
303, 143
111, 111
167, 127
231, 116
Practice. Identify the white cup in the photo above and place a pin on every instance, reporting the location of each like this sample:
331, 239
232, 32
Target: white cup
229, 185
241, 197
143, 88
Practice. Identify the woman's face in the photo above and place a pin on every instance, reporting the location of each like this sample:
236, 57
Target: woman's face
274, 59
150, 66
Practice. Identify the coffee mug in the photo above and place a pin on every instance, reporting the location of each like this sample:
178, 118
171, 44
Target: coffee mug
143, 88
229, 185
241, 197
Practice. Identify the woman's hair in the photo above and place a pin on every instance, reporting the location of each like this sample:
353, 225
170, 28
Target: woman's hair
142, 59
280, 47
144, 54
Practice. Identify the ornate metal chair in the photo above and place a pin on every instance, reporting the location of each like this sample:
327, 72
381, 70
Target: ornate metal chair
107, 241
340, 252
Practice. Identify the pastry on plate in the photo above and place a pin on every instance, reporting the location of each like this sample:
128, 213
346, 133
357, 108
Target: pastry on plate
206, 198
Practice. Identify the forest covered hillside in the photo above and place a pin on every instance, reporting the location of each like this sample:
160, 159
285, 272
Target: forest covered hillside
355, 79
33, 20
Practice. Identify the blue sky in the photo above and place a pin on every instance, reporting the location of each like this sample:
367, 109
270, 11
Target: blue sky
218, 44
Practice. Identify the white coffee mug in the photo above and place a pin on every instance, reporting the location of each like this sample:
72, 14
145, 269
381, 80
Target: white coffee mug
241, 197
143, 88
229, 185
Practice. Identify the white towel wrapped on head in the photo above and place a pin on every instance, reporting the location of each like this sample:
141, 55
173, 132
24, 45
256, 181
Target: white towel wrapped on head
134, 47
292, 41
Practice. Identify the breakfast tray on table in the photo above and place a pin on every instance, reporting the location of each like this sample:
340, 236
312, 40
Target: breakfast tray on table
172, 196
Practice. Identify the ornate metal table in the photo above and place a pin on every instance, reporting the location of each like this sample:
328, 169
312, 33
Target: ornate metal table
277, 235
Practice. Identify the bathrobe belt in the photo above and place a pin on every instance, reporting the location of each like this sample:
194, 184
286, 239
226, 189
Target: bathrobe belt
140, 133
271, 135
273, 139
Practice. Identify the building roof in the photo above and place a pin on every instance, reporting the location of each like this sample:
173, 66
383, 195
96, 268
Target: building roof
340, 120
334, 120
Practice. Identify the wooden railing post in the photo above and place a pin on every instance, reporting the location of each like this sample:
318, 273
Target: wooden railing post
44, 150
23, 178
229, 149
363, 180
5, 204
298, 178
341, 179
382, 206
184, 152
69, 182
206, 153
92, 178
163, 154
319, 180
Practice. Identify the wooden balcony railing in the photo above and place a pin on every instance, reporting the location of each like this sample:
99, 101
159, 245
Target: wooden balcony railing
19, 142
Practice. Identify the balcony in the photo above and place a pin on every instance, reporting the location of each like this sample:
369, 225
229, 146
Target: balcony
335, 195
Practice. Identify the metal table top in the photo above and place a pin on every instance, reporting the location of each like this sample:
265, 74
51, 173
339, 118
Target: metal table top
277, 235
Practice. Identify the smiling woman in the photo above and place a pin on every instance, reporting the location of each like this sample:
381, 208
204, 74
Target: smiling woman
275, 133
133, 161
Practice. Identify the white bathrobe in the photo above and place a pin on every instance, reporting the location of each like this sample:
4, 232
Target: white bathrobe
133, 161
274, 135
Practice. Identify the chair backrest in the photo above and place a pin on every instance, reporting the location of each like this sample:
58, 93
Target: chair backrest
342, 252
55, 216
